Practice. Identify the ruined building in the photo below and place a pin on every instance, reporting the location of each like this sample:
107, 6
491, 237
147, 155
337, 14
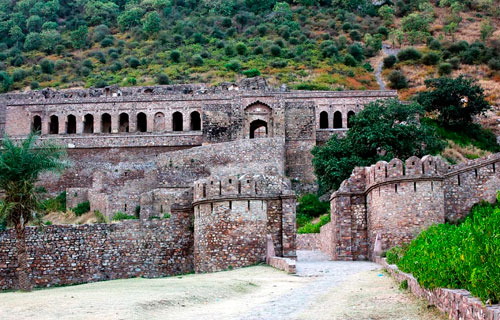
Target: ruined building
223, 163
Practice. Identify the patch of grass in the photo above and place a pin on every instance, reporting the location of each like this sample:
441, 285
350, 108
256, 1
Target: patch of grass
82, 208
403, 285
123, 216
315, 227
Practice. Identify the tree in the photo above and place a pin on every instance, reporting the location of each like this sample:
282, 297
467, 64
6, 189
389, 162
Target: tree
456, 100
50, 39
383, 130
33, 41
34, 24
20, 167
397, 80
130, 18
151, 23
5, 81
79, 37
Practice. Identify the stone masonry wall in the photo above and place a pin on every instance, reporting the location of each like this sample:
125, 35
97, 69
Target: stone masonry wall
397, 200
66, 254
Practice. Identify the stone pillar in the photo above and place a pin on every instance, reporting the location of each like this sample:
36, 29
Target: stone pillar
151, 122
186, 122
79, 124
115, 122
132, 122
45, 125
342, 228
62, 124
289, 226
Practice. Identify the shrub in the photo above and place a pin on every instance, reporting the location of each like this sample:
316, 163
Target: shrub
175, 56
279, 63
57, 203
34, 85
461, 256
275, 50
250, 73
133, 62
166, 216
397, 80
122, 216
434, 45
383, 31
310, 205
403, 285
409, 54
233, 65
108, 41
241, 48
162, 79
197, 60
350, 61
82, 208
356, 50
494, 63
47, 66
455, 62
100, 217
229, 51
258, 50
315, 227
431, 59
390, 61
355, 35
395, 254
101, 83
444, 68
19, 75
48, 223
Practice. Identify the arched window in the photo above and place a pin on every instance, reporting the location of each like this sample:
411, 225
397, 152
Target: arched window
106, 123
323, 120
195, 121
177, 121
71, 124
142, 123
258, 129
350, 114
54, 125
36, 125
88, 123
124, 123
159, 122
337, 120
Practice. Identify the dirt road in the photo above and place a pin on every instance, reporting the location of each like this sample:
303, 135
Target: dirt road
321, 290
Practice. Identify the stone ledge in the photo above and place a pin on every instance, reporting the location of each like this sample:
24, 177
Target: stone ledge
284, 264
456, 303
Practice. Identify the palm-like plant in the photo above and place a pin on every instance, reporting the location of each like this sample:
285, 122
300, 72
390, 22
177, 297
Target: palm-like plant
20, 167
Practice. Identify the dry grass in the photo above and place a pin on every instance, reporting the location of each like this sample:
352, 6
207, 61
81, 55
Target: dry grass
458, 153
69, 217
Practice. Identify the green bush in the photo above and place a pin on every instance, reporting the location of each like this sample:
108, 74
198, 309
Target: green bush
175, 56
241, 48
166, 216
395, 254
251, 73
315, 227
197, 60
397, 80
494, 63
100, 217
390, 61
445, 68
409, 54
57, 203
47, 66
275, 50
233, 65
431, 59
122, 216
461, 256
81, 208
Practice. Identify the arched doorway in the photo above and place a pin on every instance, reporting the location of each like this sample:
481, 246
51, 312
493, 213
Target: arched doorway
124, 123
36, 125
258, 129
337, 120
177, 121
159, 122
71, 124
88, 123
323, 120
350, 114
142, 122
106, 123
54, 125
195, 121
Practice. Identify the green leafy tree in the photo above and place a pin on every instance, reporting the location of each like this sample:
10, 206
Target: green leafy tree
100, 12
130, 18
34, 24
20, 167
79, 37
5, 81
382, 131
457, 101
50, 39
151, 23
260, 5
33, 41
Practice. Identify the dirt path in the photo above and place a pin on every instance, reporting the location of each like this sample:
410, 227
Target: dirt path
387, 51
321, 290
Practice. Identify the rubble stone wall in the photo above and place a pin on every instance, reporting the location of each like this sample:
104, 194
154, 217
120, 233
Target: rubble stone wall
397, 200
65, 254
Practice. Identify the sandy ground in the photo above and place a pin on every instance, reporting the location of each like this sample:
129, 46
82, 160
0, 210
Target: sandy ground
321, 290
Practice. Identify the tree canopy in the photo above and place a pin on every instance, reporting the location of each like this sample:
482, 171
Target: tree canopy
382, 131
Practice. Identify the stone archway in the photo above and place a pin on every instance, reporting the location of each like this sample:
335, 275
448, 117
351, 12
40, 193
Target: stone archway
258, 121
258, 129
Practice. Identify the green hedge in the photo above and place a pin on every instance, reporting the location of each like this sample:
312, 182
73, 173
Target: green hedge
465, 256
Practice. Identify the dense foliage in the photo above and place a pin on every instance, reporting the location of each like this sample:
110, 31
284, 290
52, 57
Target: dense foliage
81, 208
57, 203
100, 42
311, 227
465, 256
309, 207
382, 131
456, 101
123, 216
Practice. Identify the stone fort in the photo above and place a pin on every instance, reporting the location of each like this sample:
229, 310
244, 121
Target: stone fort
224, 164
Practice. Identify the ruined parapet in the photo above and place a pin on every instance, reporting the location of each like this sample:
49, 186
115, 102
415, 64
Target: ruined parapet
2, 116
233, 216
160, 202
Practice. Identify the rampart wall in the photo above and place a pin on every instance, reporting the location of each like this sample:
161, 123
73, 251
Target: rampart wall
395, 201
65, 254
233, 217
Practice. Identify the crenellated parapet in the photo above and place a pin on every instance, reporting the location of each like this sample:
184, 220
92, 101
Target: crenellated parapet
393, 201
233, 216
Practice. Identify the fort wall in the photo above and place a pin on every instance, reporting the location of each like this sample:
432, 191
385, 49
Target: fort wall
394, 201
65, 254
